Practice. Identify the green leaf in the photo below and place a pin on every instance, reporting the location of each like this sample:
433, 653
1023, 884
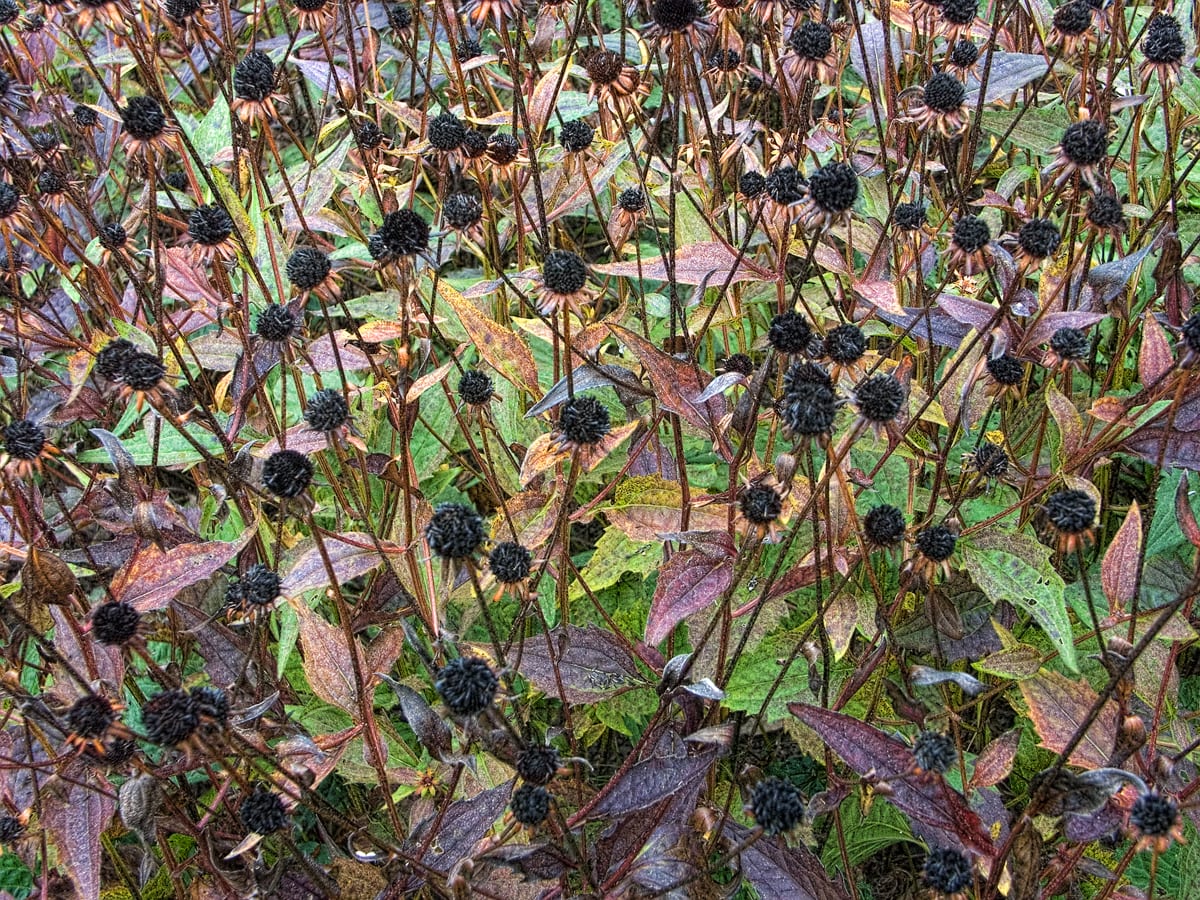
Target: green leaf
289, 630
757, 670
1016, 568
1036, 128
629, 712
616, 556
15, 877
174, 449
214, 133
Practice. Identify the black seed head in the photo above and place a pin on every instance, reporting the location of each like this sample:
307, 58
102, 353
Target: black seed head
808, 408
724, 60
10, 829
1106, 211
1085, 143
327, 410
1154, 815
10, 200
845, 344
510, 562
530, 804
142, 371
143, 118
738, 362
399, 17
455, 531
564, 272
811, 40
23, 439
468, 49
576, 136
884, 526
971, 234
1006, 370
467, 685
964, 54
170, 718
368, 134
475, 387
990, 460
257, 587
116, 753
675, 15
751, 184
880, 398
446, 132
776, 806
833, 188
1070, 343
254, 77
947, 870
944, 93
799, 373
462, 210
44, 143
112, 358
210, 225
211, 704
176, 181
34, 22
760, 504
960, 12
538, 764
632, 200
51, 183
936, 543
309, 5
790, 332
179, 11
287, 473
785, 186
934, 751
910, 216
307, 267
584, 421
1191, 333
604, 67
262, 811
85, 116
9, 12
275, 323
1070, 511
474, 144
1164, 41
1073, 18
115, 623
503, 148
91, 717
1039, 238
403, 233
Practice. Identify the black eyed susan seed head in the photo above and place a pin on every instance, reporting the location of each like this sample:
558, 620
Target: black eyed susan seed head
142, 372
176, 181
760, 504
989, 460
675, 15
11, 829
936, 543
884, 526
1106, 212
10, 200
971, 234
934, 751
112, 358
1153, 815
960, 12
210, 225
947, 871
538, 764
91, 717
455, 531
467, 685
1073, 18
1085, 143
368, 134
724, 60
632, 200
785, 186
845, 344
1190, 332
530, 804
807, 410
475, 387
880, 398
503, 149
833, 188
1006, 370
743, 364
262, 811
944, 93
309, 6
446, 132
23, 440
51, 183
776, 806
910, 216
254, 77
85, 116
1070, 343
179, 11
799, 373
462, 211
403, 233
564, 272
255, 591
1071, 512
170, 718
964, 54
275, 323
576, 136
143, 118
115, 623
605, 66
1039, 238
1164, 44
584, 421
9, 12
326, 410
474, 144
790, 332
811, 40
752, 184
287, 473
399, 17
510, 562
307, 267
468, 49
212, 705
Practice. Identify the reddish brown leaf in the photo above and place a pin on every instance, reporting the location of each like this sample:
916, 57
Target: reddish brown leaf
777, 870
350, 555
650, 781
708, 263
327, 664
1052, 322
1184, 513
153, 576
592, 663
1066, 416
1155, 359
690, 581
75, 821
1058, 706
499, 346
465, 824
932, 803
995, 763
1119, 569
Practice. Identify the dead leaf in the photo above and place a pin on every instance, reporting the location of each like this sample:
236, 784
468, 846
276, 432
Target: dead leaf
591, 663
499, 346
1155, 359
153, 577
327, 663
690, 581
75, 822
709, 263
1119, 568
995, 763
350, 555
1058, 706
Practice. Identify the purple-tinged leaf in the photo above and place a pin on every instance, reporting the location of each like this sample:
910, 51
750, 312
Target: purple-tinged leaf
465, 824
652, 780
430, 728
75, 822
153, 577
689, 582
592, 663
932, 326
1051, 322
350, 555
1009, 73
1109, 280
777, 870
585, 378
709, 262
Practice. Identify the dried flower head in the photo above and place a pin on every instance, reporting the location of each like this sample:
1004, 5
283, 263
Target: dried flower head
287, 473
1163, 48
307, 268
941, 105
880, 398
455, 531
947, 871
884, 526
254, 87
510, 562
467, 685
988, 459
327, 411
1071, 23
211, 227
1072, 514
275, 323
790, 333
934, 752
910, 216
1082, 150
476, 387
253, 595
584, 422
563, 282
530, 804
446, 132
964, 55
832, 190
262, 811
1106, 213
115, 623
92, 720
146, 126
1068, 349
463, 212
811, 53
970, 245
402, 234
1155, 821
538, 764
1038, 239
170, 719
808, 406
776, 806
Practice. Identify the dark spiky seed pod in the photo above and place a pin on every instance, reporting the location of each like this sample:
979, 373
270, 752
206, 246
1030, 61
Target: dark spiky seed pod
1154, 815
474, 144
1073, 18
287, 473
1039, 238
1071, 511
584, 421
446, 132
675, 15
971, 234
23, 439
468, 49
143, 118
760, 504
808, 409
11, 829
530, 804
740, 363
1106, 211
538, 764
944, 93
884, 526
811, 40
632, 200
399, 17
503, 149
947, 871
845, 344
576, 136
254, 77
776, 806
307, 267
212, 704
880, 398
510, 562
170, 718
1085, 143
142, 372
177, 181
85, 116
10, 200
934, 751
275, 323
605, 66
258, 586
1006, 370
403, 233
475, 387
564, 272
91, 717
368, 134
1191, 333
326, 410
115, 623
179, 11
309, 5
724, 60
51, 183
455, 531
910, 216
785, 186
110, 361
262, 811
960, 12
834, 188
990, 460
9, 12
964, 54
751, 184
462, 210
467, 685
211, 225
34, 22
799, 373
117, 753
789, 332
1070, 343
44, 143
1164, 43
936, 543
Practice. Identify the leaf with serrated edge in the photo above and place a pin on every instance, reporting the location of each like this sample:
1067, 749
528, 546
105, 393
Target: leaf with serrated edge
1058, 707
689, 582
1119, 568
152, 578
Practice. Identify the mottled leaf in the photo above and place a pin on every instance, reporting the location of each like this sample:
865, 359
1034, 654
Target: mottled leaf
708, 262
1109, 280
652, 780
1154, 359
1119, 568
1021, 661
689, 582
995, 763
153, 577
585, 378
1184, 514
777, 870
501, 347
430, 728
464, 825
75, 822
592, 663
1009, 72
327, 664
1058, 706
350, 555
1052, 322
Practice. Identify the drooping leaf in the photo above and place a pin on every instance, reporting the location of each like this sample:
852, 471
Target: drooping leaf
652, 780
1068, 420
777, 870
1119, 568
995, 763
75, 822
430, 728
1020, 661
153, 577
464, 825
708, 262
1009, 73
501, 347
327, 664
647, 506
591, 662
1059, 705
1154, 358
924, 676
689, 582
